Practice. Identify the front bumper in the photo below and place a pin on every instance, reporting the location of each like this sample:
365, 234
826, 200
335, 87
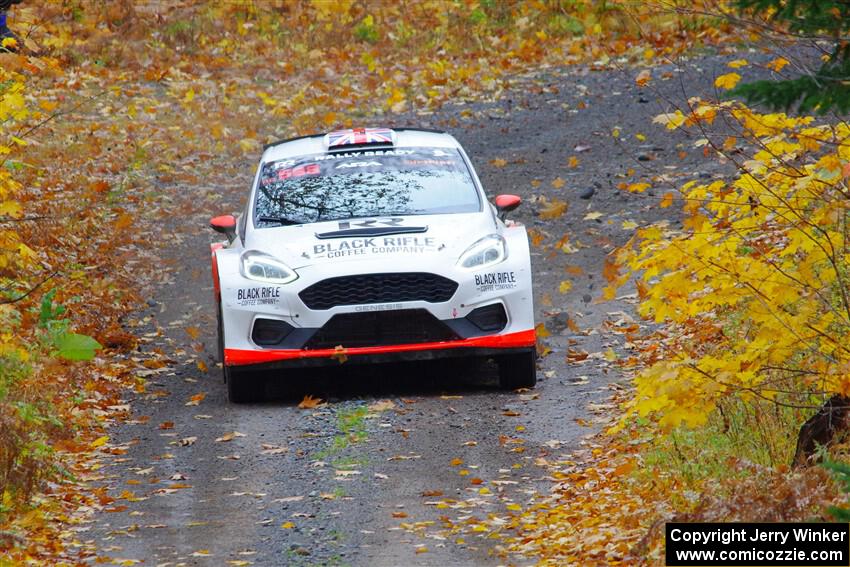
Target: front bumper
522, 341
323, 332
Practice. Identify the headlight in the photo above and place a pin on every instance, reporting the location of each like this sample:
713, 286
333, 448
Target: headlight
488, 251
264, 268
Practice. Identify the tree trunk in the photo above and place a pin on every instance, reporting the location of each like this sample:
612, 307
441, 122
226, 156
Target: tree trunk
821, 429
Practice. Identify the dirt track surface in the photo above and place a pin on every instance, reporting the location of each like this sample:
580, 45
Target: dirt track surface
294, 488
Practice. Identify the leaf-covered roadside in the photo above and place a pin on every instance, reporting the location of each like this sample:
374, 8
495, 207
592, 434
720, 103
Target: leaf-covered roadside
129, 102
608, 506
745, 341
64, 288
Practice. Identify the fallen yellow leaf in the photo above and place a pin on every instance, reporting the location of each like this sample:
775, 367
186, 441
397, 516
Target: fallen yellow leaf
777, 64
727, 81
196, 399
340, 354
638, 187
229, 436
553, 209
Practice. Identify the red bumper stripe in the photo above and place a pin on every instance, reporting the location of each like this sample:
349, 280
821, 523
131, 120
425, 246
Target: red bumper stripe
240, 357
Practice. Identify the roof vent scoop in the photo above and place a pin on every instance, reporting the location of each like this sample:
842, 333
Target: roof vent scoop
360, 137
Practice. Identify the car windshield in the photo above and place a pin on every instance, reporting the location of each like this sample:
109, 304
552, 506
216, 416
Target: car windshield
324, 187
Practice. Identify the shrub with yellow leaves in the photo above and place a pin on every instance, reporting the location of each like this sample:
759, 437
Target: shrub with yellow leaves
13, 254
34, 331
755, 290
21, 444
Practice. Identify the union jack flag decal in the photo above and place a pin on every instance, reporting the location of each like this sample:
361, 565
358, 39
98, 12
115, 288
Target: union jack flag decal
359, 136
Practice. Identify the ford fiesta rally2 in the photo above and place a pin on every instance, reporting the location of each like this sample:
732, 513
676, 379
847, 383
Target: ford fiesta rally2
371, 245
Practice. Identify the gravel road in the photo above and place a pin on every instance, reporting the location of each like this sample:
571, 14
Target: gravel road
333, 485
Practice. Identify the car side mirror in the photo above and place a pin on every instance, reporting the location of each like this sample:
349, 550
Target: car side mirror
507, 203
226, 225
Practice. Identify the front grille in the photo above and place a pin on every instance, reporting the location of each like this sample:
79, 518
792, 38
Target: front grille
378, 288
380, 328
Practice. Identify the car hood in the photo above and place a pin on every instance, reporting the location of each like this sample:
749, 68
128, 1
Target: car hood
390, 239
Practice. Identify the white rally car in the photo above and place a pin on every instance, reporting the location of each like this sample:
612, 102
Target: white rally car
371, 245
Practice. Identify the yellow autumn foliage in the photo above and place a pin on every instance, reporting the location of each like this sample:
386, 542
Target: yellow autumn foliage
14, 255
755, 290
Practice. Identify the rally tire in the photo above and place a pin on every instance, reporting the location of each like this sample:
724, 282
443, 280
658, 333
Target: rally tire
517, 370
243, 387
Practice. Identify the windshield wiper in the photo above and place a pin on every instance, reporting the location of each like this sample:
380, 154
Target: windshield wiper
280, 220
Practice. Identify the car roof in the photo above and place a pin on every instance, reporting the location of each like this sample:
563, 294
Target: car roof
316, 144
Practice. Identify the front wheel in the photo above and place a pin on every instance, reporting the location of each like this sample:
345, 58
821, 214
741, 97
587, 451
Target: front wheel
243, 387
220, 338
517, 370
